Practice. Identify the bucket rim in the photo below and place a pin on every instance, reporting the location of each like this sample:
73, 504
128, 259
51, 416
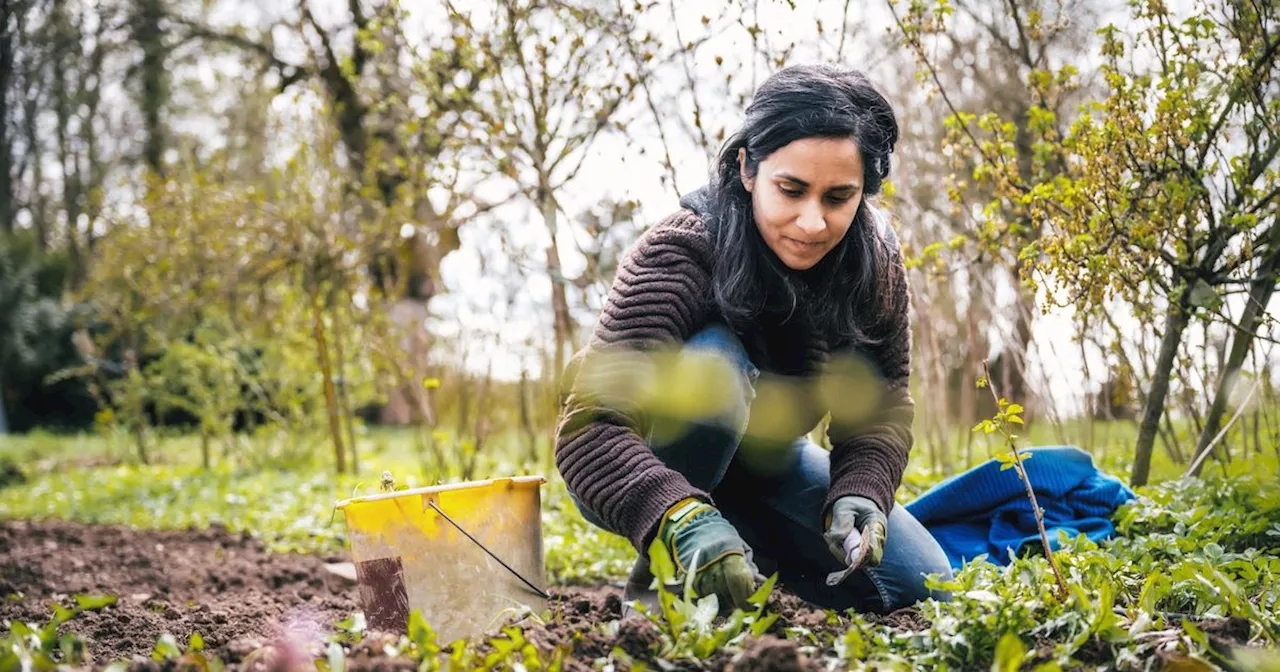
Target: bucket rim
537, 479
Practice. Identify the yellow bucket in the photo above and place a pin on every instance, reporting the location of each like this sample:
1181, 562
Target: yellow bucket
425, 549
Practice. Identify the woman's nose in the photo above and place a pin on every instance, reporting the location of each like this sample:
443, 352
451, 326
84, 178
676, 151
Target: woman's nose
811, 220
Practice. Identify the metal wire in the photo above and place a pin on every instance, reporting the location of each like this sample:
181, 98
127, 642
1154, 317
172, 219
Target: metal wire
541, 593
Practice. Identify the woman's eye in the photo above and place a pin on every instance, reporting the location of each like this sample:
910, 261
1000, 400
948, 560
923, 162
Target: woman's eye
792, 193
839, 200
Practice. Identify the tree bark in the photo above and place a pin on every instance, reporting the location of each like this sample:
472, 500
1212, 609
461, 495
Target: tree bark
8, 45
4, 421
1260, 291
1175, 324
344, 395
526, 415
330, 395
155, 86
563, 324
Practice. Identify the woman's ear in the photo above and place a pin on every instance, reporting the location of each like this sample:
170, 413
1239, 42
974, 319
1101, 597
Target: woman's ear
747, 182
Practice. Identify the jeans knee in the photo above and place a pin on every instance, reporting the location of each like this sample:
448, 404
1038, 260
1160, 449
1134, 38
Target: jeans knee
917, 588
720, 353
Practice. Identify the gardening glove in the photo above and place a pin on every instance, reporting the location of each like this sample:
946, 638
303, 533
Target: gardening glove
724, 566
855, 534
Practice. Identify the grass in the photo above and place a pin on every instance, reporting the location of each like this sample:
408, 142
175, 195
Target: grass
284, 491
1187, 552
287, 503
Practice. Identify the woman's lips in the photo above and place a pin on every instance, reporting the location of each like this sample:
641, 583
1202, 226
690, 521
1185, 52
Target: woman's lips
800, 245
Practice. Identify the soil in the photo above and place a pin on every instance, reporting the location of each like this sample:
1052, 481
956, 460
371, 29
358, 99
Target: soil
258, 610
224, 586
261, 610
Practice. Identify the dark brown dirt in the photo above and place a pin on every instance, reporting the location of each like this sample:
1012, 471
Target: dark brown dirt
224, 586
261, 610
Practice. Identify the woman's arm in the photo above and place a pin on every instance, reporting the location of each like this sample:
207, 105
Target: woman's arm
659, 298
868, 456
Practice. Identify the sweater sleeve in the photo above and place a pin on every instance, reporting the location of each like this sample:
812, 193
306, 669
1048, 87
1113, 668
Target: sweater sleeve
659, 297
869, 456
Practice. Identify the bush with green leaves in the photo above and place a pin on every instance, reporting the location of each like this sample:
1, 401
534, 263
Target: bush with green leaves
35, 338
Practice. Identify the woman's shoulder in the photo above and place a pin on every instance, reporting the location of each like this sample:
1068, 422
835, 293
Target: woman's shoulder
681, 233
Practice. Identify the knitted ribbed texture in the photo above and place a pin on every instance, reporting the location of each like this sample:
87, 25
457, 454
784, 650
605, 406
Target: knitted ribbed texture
660, 297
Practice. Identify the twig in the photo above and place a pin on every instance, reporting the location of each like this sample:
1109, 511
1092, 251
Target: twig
1031, 494
1195, 464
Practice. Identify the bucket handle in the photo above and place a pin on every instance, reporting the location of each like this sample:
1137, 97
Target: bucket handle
540, 592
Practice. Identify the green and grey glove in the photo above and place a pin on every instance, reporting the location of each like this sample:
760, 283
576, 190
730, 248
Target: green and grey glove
856, 531
724, 568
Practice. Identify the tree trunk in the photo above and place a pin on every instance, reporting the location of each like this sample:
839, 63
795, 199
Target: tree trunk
330, 395
1016, 388
1169, 438
4, 421
1260, 290
155, 87
526, 415
1174, 326
563, 324
8, 45
344, 396
36, 202
140, 442
206, 459
1257, 432
66, 39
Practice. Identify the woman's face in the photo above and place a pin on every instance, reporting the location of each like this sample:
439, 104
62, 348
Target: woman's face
804, 196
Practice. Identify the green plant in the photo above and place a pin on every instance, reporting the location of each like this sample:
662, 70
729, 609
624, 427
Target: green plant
1008, 415
688, 624
193, 657
29, 646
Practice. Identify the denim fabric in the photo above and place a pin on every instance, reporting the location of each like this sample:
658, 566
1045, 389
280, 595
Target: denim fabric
776, 503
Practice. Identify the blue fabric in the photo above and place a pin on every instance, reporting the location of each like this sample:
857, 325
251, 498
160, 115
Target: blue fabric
986, 511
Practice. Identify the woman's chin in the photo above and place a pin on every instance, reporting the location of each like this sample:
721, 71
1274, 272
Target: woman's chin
799, 263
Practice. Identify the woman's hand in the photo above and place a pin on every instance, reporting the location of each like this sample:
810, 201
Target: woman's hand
694, 529
857, 531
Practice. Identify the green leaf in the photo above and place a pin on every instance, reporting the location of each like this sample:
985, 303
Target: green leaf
761, 596
660, 563
420, 632
166, 649
92, 602
72, 649
706, 612
337, 658
195, 642
1009, 653
762, 624
1203, 295
21, 630
61, 614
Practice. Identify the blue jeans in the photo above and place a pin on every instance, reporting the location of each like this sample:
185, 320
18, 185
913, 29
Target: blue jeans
778, 510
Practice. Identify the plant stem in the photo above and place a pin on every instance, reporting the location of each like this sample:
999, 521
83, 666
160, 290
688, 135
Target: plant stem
1031, 493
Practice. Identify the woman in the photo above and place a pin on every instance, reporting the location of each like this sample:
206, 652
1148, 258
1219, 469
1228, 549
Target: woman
782, 273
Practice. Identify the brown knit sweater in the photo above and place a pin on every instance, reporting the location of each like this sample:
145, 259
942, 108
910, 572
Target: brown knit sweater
660, 297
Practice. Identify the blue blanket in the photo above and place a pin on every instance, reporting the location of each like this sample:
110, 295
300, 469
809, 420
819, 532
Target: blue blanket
986, 511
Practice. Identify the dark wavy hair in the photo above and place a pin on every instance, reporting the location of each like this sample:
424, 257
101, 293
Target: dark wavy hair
848, 292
